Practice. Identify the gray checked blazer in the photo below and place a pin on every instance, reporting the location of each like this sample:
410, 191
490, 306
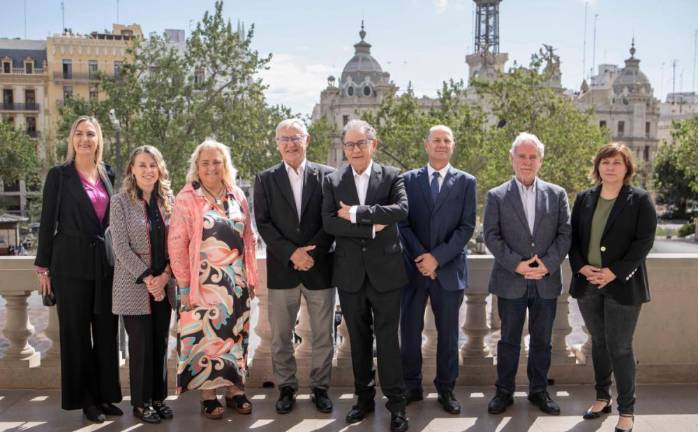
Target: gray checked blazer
509, 238
132, 253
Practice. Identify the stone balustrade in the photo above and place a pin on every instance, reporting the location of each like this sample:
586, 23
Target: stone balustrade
666, 341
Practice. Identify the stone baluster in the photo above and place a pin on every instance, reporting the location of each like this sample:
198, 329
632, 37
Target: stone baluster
585, 349
18, 330
474, 351
260, 361
343, 355
495, 323
52, 357
303, 330
561, 328
429, 331
523, 354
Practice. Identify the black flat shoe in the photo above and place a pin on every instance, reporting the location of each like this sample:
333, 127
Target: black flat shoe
631, 427
111, 410
163, 410
449, 403
147, 414
543, 401
499, 402
591, 415
94, 414
322, 400
398, 421
360, 411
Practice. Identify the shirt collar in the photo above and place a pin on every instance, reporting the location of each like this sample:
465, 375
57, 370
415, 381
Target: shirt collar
367, 171
523, 188
443, 171
301, 168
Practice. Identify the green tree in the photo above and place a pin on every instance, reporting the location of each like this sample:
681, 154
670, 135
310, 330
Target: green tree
672, 183
18, 155
321, 134
685, 134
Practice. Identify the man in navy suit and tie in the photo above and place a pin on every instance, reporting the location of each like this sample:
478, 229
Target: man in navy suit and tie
441, 220
527, 229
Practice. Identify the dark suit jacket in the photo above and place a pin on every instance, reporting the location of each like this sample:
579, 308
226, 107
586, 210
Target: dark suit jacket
509, 238
625, 243
357, 254
278, 224
442, 228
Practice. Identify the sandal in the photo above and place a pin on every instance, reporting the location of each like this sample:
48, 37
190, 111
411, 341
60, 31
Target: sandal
209, 406
147, 414
590, 415
163, 410
239, 403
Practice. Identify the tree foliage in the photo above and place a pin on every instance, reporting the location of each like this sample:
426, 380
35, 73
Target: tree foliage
671, 182
321, 133
685, 134
17, 153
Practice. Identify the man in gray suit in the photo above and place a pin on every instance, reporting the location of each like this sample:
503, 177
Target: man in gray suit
527, 229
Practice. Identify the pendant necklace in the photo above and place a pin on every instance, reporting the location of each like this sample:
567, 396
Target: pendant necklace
217, 199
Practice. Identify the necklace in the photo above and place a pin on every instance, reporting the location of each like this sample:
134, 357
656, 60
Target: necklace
216, 198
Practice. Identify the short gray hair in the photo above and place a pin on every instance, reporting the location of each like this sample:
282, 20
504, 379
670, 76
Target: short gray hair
440, 127
525, 137
363, 126
292, 123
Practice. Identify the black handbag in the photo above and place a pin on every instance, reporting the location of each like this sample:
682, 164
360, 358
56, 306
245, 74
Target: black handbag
49, 299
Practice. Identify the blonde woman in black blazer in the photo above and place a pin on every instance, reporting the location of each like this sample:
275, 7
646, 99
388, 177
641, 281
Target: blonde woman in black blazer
613, 228
143, 292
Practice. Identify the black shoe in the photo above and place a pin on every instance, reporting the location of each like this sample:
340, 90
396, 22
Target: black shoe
413, 395
287, 399
322, 401
590, 415
94, 414
359, 411
147, 414
111, 410
163, 410
631, 427
542, 400
449, 402
499, 402
398, 421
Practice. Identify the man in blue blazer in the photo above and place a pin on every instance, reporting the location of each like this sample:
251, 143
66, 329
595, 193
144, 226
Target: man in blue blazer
440, 221
527, 229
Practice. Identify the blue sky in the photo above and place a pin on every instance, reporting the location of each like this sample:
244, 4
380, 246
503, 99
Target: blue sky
422, 41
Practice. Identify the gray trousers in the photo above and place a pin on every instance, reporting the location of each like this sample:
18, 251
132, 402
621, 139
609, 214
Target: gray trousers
283, 312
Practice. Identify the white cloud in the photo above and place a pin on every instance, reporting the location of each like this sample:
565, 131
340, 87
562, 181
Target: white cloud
441, 5
295, 82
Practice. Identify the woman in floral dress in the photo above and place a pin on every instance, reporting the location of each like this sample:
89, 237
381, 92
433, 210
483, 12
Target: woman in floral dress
212, 253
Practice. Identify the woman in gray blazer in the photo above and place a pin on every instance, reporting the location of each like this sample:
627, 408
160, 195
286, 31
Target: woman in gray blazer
143, 291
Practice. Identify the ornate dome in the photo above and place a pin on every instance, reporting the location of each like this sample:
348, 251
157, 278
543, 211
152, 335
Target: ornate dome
631, 81
362, 66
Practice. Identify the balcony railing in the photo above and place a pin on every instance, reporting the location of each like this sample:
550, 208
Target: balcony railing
32, 106
74, 77
666, 345
22, 71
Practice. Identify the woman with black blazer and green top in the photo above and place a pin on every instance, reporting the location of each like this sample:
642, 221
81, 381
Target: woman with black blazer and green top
71, 262
613, 227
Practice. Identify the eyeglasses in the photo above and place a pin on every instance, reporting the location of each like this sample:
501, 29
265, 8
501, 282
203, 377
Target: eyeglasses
360, 144
296, 139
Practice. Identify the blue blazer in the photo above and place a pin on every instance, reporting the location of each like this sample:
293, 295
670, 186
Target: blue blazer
441, 228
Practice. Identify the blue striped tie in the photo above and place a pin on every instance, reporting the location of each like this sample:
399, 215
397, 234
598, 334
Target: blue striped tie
435, 185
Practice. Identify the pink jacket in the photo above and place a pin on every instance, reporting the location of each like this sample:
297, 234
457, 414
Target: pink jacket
184, 240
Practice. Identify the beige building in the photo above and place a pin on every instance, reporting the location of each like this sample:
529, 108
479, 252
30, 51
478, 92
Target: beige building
678, 106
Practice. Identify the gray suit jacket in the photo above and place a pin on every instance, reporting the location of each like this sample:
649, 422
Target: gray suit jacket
509, 239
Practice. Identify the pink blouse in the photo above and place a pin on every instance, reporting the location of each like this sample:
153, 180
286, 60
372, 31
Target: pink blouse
98, 195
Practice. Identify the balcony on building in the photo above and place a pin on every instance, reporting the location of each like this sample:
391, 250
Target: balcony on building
12, 106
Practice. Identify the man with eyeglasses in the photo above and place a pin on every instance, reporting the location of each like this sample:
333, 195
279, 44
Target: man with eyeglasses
440, 222
362, 205
287, 206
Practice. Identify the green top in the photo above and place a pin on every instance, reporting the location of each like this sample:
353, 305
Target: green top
598, 223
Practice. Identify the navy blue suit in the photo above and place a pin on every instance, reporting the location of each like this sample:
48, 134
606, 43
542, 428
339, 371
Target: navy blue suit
442, 228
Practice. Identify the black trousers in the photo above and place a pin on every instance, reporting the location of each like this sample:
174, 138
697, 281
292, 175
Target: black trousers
367, 312
147, 352
89, 347
612, 326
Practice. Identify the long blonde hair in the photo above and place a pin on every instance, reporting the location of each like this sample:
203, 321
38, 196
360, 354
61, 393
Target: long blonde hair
162, 187
70, 156
229, 171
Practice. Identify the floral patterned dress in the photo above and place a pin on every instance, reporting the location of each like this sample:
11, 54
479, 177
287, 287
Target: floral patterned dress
213, 339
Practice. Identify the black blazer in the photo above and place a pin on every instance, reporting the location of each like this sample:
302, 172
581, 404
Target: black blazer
277, 222
77, 249
358, 255
627, 239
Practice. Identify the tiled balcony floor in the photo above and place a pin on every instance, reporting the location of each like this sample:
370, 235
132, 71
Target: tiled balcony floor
660, 408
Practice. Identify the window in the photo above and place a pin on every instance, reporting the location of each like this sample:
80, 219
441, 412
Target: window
6, 67
29, 67
30, 98
117, 69
93, 93
67, 69
345, 120
367, 91
92, 69
7, 98
199, 75
31, 126
67, 92
646, 155
350, 91
602, 124
621, 128
647, 129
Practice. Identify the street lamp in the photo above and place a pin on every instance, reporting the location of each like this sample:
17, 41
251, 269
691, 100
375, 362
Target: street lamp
117, 128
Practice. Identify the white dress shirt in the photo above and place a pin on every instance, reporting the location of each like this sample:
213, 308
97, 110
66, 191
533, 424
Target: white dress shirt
442, 173
528, 199
361, 183
296, 179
